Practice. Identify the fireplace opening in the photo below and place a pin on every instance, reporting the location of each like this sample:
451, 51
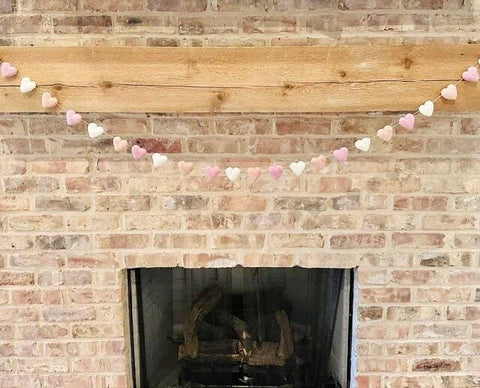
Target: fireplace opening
240, 327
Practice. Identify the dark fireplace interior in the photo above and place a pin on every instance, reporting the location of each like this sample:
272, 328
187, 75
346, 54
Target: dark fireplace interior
240, 327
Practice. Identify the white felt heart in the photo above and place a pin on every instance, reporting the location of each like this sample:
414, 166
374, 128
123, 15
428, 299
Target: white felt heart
427, 108
159, 160
95, 130
297, 167
363, 144
232, 173
27, 85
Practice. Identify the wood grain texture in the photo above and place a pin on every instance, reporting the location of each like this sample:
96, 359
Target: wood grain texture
273, 79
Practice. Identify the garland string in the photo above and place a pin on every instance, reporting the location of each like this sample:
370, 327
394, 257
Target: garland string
275, 170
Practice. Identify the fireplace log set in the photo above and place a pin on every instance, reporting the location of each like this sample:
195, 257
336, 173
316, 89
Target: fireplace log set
215, 335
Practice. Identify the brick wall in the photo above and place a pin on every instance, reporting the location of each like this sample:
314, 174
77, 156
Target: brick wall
73, 215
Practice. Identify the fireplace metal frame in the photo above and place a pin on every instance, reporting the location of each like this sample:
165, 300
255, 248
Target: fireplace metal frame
137, 338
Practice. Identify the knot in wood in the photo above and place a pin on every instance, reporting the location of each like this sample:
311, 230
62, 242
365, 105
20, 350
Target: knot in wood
106, 84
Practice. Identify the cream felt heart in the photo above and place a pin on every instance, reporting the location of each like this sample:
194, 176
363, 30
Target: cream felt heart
232, 173
119, 144
427, 108
363, 144
48, 101
385, 133
319, 162
297, 167
138, 152
185, 167
471, 75
72, 117
254, 173
407, 122
95, 130
8, 70
449, 93
27, 85
159, 160
211, 172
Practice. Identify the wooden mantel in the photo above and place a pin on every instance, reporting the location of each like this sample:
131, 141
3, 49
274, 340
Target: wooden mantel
248, 80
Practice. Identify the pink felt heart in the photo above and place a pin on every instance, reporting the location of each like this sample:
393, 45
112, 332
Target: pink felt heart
385, 133
253, 173
407, 121
341, 155
319, 162
275, 171
211, 172
185, 167
8, 70
449, 93
119, 144
73, 118
48, 101
138, 152
471, 75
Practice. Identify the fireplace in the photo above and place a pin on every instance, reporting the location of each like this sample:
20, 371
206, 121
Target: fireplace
240, 327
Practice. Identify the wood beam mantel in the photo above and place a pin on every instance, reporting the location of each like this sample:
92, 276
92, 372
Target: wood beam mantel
248, 80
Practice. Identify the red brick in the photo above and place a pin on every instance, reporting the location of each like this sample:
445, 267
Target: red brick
439, 330
418, 240
92, 24
443, 295
95, 185
16, 278
17, 24
238, 203
357, 241
158, 145
37, 260
371, 313
384, 295
26, 297
68, 314
123, 241
471, 241
420, 203
113, 5
76, 166
177, 5
330, 185
413, 277
436, 365
377, 331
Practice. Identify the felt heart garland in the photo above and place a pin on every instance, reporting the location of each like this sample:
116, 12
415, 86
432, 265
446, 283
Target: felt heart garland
48, 101
138, 152
95, 130
253, 173
211, 172
297, 167
8, 71
232, 173
119, 144
427, 108
158, 160
449, 93
27, 85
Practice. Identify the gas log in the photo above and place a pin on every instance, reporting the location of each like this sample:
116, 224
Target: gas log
215, 335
